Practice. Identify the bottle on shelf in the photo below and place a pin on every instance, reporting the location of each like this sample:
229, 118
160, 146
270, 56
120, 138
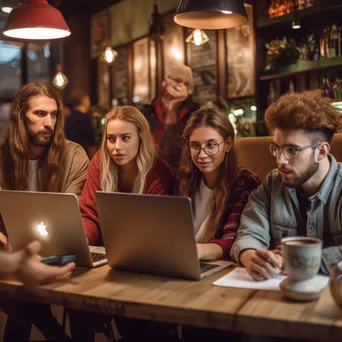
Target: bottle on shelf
271, 10
326, 87
337, 90
271, 98
301, 4
291, 87
333, 42
289, 6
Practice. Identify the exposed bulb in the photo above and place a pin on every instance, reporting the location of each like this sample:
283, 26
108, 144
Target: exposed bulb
197, 37
60, 80
109, 55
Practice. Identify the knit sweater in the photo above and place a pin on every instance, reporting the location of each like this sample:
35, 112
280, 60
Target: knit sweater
158, 182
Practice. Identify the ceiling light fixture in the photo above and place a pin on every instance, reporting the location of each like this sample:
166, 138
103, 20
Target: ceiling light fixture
60, 80
35, 20
197, 37
109, 55
6, 9
213, 14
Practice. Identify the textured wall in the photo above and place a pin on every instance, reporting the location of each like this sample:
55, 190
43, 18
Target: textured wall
130, 19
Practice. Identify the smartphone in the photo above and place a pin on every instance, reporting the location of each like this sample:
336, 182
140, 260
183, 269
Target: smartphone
58, 259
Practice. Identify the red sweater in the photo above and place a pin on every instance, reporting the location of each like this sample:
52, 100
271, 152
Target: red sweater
159, 181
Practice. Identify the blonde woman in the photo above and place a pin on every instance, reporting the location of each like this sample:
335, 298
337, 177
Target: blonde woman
126, 162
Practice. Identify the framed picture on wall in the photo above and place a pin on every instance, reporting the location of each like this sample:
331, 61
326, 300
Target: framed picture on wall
240, 43
120, 76
173, 40
203, 62
141, 71
103, 84
100, 33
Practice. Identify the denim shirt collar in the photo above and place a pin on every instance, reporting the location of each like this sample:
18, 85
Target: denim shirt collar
323, 193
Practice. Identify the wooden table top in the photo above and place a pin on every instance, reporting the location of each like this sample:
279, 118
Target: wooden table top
188, 302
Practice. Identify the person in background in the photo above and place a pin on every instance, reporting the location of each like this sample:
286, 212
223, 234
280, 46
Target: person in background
127, 162
78, 125
67, 109
302, 197
169, 112
219, 190
35, 156
25, 266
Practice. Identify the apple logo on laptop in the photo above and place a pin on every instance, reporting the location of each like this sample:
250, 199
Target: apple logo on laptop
41, 227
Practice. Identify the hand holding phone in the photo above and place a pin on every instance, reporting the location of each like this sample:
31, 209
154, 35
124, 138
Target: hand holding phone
58, 259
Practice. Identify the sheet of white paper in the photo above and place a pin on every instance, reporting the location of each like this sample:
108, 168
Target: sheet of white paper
241, 279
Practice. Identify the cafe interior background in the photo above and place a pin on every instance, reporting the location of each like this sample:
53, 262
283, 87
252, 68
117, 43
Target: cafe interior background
118, 50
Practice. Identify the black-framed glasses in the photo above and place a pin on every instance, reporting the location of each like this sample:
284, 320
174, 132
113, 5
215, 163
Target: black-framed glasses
211, 149
289, 151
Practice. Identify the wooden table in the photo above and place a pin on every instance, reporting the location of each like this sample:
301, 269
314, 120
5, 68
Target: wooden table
188, 302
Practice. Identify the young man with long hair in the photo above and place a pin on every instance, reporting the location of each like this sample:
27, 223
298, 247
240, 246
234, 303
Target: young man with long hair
35, 156
303, 195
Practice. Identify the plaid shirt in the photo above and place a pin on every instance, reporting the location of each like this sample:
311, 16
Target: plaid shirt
244, 184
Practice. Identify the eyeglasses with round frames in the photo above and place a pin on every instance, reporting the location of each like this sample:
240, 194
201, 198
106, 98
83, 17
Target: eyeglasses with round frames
211, 149
289, 151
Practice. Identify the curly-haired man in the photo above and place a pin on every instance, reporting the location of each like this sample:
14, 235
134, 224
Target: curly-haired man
303, 195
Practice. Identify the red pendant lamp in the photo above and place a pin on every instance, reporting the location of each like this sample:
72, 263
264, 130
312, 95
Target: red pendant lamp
36, 20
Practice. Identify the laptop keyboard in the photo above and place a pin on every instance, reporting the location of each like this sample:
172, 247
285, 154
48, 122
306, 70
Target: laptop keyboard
98, 256
206, 267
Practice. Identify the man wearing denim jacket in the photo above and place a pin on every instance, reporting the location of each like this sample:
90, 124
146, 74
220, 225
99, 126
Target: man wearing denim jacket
303, 196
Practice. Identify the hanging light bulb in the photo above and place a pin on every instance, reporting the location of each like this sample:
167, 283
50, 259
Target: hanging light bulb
109, 55
197, 37
60, 80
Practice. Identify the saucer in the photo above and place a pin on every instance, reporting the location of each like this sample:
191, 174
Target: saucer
305, 290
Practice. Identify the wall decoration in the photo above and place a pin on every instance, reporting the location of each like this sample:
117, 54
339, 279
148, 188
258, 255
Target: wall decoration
240, 58
173, 40
103, 87
203, 62
120, 76
141, 71
100, 33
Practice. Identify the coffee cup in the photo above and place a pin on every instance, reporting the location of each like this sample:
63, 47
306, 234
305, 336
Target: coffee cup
302, 260
302, 257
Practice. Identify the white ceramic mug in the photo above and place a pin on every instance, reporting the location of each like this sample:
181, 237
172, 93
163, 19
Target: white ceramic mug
302, 257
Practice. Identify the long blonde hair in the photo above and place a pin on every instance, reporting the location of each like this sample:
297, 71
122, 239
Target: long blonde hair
145, 157
190, 176
15, 149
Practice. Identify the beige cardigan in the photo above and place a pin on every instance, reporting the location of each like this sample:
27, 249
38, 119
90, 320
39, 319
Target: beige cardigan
75, 171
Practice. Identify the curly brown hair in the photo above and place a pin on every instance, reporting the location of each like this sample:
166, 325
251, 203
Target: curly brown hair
307, 110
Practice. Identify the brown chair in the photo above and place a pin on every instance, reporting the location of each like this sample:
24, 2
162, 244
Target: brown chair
253, 153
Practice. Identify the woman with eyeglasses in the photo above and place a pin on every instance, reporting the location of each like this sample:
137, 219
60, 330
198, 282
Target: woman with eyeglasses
210, 176
219, 190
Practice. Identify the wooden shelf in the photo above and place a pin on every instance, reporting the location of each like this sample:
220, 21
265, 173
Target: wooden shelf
303, 66
329, 8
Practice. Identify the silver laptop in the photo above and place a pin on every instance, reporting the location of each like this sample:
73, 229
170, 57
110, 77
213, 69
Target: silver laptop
152, 234
54, 219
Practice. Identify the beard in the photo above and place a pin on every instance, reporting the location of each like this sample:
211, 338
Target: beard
299, 180
39, 140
